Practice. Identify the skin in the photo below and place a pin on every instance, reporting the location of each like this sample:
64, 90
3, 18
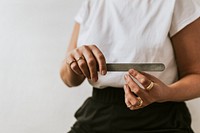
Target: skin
186, 44
75, 73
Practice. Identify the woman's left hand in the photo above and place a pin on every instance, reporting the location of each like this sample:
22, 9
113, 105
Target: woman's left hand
151, 90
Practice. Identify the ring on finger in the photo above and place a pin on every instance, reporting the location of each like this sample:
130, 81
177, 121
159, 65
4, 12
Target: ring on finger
150, 86
70, 63
140, 102
80, 58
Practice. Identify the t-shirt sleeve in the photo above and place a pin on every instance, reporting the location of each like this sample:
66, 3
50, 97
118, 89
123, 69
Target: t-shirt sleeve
83, 12
185, 12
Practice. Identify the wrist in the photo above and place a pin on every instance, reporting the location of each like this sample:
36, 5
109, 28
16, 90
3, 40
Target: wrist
169, 94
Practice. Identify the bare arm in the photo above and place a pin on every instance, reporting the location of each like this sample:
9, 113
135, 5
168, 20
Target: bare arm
69, 77
186, 46
187, 52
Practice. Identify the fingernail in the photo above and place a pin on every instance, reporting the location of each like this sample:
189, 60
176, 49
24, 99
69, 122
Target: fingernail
132, 72
94, 79
103, 72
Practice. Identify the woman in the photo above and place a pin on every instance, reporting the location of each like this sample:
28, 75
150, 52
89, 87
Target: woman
139, 31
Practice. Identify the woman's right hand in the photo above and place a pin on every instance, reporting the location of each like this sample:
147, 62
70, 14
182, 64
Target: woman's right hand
87, 60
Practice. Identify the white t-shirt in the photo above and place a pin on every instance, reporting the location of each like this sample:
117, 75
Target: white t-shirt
134, 31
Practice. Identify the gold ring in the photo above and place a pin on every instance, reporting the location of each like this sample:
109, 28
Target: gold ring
140, 102
71, 62
80, 58
150, 86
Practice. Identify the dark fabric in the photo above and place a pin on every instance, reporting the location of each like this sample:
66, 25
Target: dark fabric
106, 112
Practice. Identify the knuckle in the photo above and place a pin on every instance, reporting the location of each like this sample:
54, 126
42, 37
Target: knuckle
76, 69
93, 46
91, 62
81, 64
134, 102
74, 66
129, 98
70, 54
101, 56
76, 50
142, 80
137, 91
84, 47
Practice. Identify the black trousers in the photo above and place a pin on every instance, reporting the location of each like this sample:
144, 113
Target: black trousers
106, 112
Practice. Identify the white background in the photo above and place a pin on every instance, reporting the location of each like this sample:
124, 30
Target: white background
33, 38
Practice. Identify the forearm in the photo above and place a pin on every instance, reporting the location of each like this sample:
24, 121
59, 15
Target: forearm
69, 77
186, 88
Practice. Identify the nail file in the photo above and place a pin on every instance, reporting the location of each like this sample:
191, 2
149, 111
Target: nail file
136, 66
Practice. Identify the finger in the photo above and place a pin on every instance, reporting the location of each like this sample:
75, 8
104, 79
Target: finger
70, 60
134, 87
76, 68
139, 104
82, 65
128, 104
100, 59
143, 80
151, 77
129, 96
91, 63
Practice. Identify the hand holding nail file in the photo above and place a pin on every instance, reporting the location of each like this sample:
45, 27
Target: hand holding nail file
136, 66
